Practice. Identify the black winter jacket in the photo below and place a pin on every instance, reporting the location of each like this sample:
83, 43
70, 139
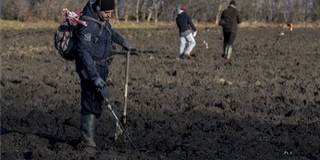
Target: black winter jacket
232, 18
88, 50
184, 22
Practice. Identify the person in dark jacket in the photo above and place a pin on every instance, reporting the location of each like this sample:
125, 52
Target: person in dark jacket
187, 32
230, 18
92, 62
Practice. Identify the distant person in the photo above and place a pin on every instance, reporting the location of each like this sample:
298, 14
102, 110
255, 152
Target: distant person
93, 61
187, 32
230, 18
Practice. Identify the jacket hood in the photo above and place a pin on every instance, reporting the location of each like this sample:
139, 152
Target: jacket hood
232, 6
180, 11
89, 11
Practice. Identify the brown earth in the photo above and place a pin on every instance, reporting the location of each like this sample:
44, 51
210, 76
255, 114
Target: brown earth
263, 104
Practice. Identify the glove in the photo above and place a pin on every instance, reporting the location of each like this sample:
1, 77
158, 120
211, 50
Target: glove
99, 82
194, 34
126, 46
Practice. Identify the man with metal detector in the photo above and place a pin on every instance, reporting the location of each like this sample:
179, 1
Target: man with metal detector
230, 18
92, 62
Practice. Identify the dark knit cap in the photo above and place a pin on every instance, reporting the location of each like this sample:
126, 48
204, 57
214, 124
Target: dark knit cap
233, 2
106, 5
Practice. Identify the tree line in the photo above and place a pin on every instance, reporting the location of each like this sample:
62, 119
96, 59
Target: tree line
165, 10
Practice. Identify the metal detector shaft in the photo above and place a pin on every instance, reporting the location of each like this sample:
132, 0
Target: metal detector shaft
121, 126
275, 42
290, 25
104, 94
289, 43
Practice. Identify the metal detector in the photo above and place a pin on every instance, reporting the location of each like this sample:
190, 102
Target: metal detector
120, 129
104, 94
120, 125
290, 25
281, 34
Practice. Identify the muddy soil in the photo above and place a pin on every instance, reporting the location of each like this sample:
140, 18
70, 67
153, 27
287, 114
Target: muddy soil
262, 104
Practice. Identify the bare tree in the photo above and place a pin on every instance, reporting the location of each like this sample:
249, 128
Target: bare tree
315, 10
150, 11
137, 10
15, 10
126, 11
219, 11
116, 10
143, 10
164, 10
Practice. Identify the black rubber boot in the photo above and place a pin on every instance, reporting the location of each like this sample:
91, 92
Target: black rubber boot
87, 130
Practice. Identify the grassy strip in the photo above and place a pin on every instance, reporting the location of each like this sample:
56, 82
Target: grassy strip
17, 25
9, 24
284, 25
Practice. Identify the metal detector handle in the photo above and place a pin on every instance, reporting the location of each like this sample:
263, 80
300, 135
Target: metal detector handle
104, 94
125, 106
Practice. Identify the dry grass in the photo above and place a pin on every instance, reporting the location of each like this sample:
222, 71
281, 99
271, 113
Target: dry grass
255, 24
28, 51
8, 24
141, 25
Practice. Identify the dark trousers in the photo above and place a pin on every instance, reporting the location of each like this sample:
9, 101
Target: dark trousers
229, 37
91, 100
